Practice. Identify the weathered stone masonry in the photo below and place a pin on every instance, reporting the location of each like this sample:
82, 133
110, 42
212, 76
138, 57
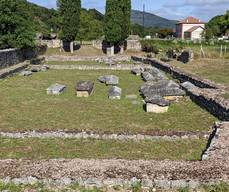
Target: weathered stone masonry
207, 93
9, 57
178, 74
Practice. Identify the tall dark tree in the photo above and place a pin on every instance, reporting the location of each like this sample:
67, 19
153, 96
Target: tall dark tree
70, 20
113, 30
126, 21
16, 29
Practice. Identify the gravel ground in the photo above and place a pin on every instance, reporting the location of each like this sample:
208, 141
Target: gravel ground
122, 169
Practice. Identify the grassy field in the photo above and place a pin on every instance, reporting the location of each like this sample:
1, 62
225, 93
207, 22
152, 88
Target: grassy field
27, 107
221, 187
214, 69
101, 149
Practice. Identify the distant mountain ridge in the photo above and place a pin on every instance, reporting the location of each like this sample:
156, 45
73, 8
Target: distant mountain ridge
151, 20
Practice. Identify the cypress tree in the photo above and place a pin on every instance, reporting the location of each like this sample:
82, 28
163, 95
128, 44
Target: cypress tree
70, 19
117, 21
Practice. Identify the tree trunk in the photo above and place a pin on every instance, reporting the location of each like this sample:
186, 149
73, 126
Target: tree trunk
72, 47
122, 49
110, 50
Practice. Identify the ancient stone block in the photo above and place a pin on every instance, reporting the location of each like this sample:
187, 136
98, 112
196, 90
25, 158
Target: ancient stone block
115, 92
26, 73
56, 89
186, 56
187, 85
137, 71
109, 79
84, 88
162, 88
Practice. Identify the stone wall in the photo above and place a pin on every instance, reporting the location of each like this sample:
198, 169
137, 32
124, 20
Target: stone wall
55, 43
179, 74
212, 102
218, 146
205, 95
9, 57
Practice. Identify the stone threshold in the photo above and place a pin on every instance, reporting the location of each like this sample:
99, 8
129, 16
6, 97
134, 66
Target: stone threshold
85, 135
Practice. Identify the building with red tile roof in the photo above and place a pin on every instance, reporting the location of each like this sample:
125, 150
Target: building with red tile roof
190, 28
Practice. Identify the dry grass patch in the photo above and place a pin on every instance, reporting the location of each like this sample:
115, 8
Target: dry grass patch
214, 69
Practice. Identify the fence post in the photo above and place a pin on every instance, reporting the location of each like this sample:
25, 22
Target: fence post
221, 51
202, 54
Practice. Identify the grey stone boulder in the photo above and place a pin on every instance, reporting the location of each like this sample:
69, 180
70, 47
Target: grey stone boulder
148, 77
35, 69
137, 71
115, 92
158, 100
102, 79
56, 89
188, 86
162, 88
186, 56
171, 53
26, 73
109, 79
156, 74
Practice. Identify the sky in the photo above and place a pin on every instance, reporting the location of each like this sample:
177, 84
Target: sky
170, 9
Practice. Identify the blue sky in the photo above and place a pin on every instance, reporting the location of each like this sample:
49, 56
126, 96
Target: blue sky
171, 9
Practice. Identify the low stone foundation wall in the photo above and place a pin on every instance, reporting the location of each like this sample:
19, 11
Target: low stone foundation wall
86, 58
121, 67
211, 101
179, 74
218, 146
12, 70
9, 57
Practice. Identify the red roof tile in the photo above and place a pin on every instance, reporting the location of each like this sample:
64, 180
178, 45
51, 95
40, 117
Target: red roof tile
191, 20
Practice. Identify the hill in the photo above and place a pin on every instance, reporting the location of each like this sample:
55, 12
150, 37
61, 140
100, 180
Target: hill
151, 20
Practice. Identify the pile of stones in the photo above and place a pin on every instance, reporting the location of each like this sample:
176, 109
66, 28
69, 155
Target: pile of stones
158, 91
34, 69
114, 92
184, 56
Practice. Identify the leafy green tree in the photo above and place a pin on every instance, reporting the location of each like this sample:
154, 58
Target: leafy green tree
217, 26
70, 20
16, 29
90, 27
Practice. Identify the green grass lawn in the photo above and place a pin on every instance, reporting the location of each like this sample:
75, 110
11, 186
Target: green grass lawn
215, 69
31, 148
26, 107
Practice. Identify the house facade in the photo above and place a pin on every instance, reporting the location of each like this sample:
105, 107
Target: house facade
190, 28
